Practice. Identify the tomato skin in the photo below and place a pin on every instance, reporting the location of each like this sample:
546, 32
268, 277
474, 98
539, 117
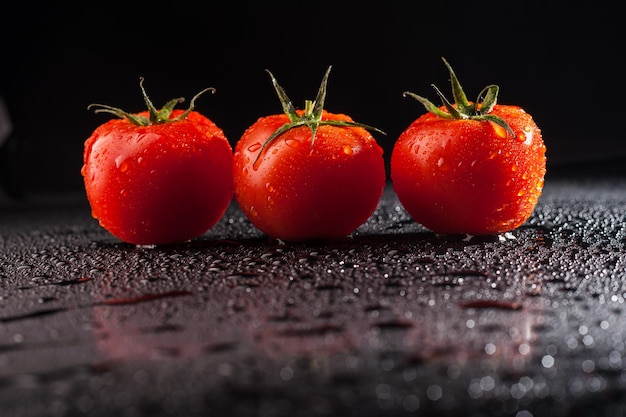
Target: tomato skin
470, 176
298, 191
161, 183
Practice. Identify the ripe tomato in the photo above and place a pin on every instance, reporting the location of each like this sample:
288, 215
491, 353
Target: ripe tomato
469, 168
308, 174
157, 177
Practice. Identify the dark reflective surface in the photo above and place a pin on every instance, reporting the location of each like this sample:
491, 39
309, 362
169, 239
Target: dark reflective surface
393, 321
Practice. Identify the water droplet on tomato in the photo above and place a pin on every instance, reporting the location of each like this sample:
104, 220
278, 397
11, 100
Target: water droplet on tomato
540, 184
292, 143
440, 162
120, 162
347, 149
527, 136
269, 187
123, 193
514, 168
500, 131
254, 147
521, 192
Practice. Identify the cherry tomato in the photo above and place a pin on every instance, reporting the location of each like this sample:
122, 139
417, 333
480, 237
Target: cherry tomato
308, 174
469, 168
158, 176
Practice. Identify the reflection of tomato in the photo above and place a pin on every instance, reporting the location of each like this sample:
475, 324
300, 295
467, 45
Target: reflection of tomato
158, 177
308, 174
469, 168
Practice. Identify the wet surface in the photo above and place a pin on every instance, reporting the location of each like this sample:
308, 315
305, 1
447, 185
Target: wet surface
394, 321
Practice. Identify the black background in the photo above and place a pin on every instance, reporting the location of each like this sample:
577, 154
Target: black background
559, 62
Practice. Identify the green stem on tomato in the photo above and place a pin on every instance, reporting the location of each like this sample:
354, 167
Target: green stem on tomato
311, 117
155, 116
462, 108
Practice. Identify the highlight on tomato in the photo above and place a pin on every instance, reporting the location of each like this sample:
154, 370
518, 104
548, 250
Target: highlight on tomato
473, 168
158, 176
308, 174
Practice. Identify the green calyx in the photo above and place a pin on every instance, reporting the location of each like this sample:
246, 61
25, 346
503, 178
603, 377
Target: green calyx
155, 116
463, 109
311, 116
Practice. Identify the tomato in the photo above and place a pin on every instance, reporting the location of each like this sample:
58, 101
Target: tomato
308, 174
158, 177
473, 168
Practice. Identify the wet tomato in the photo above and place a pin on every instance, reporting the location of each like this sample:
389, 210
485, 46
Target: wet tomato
158, 176
469, 168
308, 174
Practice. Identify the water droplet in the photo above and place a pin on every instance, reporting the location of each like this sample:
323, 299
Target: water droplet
254, 212
292, 143
120, 162
347, 149
514, 168
526, 137
434, 392
521, 192
440, 162
254, 147
500, 131
547, 361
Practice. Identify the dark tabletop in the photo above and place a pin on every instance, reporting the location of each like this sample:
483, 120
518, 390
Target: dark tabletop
393, 321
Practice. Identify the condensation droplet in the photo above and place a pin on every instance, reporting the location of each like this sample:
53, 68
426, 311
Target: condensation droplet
527, 136
500, 131
540, 184
254, 212
347, 149
254, 147
120, 162
292, 143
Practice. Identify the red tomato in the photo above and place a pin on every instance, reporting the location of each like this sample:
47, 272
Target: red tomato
158, 177
308, 174
469, 168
